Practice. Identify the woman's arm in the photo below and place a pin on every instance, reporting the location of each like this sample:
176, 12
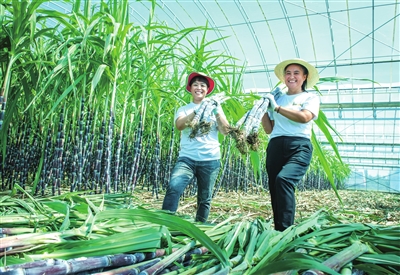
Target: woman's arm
181, 121
222, 123
267, 123
302, 116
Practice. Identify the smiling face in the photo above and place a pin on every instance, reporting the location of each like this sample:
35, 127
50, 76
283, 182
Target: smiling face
295, 75
198, 89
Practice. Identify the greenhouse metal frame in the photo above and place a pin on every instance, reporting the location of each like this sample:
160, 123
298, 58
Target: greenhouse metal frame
356, 40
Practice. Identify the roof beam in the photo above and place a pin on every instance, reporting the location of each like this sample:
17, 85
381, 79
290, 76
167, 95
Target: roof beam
366, 105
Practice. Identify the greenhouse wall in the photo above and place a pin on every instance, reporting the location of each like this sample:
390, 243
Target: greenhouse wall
367, 179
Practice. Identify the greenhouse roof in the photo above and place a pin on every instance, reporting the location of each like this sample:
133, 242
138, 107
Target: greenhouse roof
357, 40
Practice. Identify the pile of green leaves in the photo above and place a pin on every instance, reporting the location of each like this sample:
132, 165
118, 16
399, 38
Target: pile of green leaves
77, 225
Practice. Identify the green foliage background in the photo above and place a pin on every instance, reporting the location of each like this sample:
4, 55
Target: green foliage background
89, 90
86, 105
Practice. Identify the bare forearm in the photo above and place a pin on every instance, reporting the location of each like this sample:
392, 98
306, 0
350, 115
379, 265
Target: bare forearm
223, 124
302, 116
181, 122
267, 123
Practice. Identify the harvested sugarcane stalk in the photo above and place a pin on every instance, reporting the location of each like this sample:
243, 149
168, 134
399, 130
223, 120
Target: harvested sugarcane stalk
201, 124
74, 266
199, 114
134, 269
245, 132
113, 264
248, 136
164, 263
238, 135
337, 261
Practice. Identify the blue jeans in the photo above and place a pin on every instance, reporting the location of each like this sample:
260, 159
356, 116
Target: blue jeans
288, 159
185, 169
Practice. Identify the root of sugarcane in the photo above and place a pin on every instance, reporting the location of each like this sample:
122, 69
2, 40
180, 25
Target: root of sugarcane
200, 129
240, 139
198, 124
253, 141
195, 129
205, 127
250, 122
193, 124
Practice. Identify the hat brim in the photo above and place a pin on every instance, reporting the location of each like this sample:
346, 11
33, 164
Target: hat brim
312, 77
211, 81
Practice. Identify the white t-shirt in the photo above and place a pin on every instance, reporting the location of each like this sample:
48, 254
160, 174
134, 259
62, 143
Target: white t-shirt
286, 127
200, 148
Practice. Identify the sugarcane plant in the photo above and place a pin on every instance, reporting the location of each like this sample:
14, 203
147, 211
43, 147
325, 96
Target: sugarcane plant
53, 143
65, 128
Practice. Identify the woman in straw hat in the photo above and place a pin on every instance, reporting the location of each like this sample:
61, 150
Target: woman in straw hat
200, 156
289, 123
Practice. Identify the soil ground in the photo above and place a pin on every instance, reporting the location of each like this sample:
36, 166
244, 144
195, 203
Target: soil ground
358, 206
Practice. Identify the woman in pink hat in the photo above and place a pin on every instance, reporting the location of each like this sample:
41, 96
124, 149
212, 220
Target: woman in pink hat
289, 124
199, 157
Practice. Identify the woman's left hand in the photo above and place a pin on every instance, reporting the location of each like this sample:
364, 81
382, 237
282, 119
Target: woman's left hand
272, 103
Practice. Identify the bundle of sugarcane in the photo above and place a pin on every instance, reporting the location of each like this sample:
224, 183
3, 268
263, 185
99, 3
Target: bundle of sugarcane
246, 129
124, 263
200, 124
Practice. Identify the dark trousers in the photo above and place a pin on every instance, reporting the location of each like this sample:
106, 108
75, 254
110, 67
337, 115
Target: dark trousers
288, 159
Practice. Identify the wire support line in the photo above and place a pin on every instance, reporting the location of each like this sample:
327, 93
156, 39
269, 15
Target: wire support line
255, 38
289, 23
366, 36
250, 69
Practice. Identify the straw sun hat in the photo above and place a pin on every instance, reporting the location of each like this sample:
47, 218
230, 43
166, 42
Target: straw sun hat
312, 77
211, 81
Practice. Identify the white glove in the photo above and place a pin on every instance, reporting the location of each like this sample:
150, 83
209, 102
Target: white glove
277, 92
272, 103
215, 104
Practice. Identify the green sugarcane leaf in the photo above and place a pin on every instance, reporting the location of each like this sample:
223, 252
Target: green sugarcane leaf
65, 94
384, 259
338, 79
332, 229
325, 164
170, 258
244, 236
283, 241
384, 234
63, 208
145, 239
232, 239
37, 205
97, 76
13, 260
250, 249
374, 269
293, 261
322, 123
89, 222
59, 206
30, 239
172, 222
196, 269
256, 164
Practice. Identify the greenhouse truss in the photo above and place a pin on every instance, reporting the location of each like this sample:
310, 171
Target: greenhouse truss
356, 40
91, 128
